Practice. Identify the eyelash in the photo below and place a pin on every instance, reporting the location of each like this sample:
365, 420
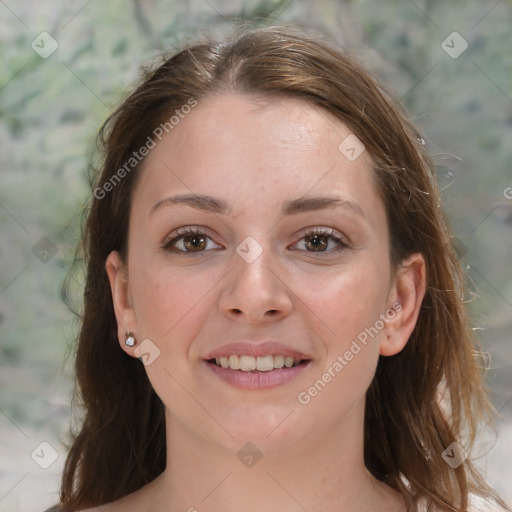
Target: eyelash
189, 231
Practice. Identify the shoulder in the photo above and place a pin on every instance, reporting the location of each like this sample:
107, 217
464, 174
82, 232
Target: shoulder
476, 504
134, 502
121, 505
479, 504
104, 508
57, 508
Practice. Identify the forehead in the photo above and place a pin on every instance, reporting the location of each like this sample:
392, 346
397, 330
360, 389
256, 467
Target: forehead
256, 147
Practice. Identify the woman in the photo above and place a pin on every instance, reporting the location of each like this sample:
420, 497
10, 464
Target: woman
273, 312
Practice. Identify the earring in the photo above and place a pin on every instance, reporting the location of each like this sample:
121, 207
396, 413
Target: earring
130, 340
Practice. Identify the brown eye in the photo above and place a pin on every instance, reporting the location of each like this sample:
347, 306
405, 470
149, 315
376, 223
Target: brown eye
194, 242
323, 242
189, 241
317, 242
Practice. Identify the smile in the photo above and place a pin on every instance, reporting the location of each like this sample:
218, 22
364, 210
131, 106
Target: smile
248, 363
257, 373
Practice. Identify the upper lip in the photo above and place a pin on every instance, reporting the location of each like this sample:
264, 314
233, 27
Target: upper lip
256, 349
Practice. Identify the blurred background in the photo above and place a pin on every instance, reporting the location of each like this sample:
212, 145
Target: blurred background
66, 64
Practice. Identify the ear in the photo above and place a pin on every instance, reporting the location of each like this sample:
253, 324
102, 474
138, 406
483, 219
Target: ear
123, 308
406, 295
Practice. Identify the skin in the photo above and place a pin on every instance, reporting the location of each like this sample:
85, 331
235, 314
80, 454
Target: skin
255, 154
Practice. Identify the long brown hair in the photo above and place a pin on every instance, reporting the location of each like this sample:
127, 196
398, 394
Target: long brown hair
121, 443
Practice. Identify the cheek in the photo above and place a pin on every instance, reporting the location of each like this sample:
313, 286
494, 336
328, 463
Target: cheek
347, 309
169, 301
171, 307
344, 302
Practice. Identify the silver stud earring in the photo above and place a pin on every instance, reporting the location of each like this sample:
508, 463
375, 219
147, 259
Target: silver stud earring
130, 340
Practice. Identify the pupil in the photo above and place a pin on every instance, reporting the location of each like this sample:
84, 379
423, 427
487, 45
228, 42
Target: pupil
316, 242
194, 242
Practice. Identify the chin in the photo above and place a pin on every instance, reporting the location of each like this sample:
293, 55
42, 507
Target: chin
270, 429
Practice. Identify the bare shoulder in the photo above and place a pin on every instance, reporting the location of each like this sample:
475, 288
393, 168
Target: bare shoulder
137, 501
126, 504
476, 504
480, 504
116, 506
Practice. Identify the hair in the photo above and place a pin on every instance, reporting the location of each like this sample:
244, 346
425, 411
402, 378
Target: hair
121, 443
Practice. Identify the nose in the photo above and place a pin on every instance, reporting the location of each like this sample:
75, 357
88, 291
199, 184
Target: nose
255, 292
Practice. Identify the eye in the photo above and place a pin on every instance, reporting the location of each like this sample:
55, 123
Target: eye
321, 241
192, 240
189, 240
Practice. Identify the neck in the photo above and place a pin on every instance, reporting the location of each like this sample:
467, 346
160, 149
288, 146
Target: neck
324, 473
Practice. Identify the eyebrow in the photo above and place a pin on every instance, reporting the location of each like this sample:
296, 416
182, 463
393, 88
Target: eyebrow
211, 204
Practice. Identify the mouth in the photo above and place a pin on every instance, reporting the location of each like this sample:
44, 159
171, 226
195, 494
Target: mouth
256, 366
248, 363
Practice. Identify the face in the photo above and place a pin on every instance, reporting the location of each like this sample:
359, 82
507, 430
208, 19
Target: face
254, 242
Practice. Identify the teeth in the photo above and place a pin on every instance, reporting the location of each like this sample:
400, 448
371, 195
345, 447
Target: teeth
234, 362
278, 361
247, 363
265, 364
250, 363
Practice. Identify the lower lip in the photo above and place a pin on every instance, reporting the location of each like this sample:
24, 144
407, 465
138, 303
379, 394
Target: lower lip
257, 380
